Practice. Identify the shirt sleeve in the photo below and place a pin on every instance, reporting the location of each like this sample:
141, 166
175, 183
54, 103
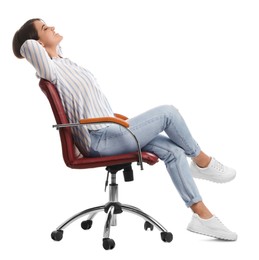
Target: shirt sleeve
35, 53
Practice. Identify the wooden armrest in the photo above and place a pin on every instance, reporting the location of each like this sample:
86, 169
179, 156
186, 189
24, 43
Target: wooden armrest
115, 120
120, 116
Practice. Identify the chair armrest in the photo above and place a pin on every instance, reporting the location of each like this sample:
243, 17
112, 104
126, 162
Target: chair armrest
120, 116
115, 120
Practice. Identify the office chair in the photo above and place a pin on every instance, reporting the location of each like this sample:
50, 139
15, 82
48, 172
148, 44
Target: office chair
113, 165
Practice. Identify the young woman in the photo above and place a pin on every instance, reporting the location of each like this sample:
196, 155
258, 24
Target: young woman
83, 98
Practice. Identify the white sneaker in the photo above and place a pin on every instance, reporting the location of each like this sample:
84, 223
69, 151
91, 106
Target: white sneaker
215, 172
212, 227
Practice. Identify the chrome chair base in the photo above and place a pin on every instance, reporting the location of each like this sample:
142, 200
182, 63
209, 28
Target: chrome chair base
112, 208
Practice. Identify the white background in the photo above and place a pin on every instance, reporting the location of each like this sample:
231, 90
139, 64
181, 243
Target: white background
201, 56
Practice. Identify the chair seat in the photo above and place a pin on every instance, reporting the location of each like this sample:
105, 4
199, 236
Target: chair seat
88, 162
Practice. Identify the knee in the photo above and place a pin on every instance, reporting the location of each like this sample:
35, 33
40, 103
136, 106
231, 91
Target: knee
178, 153
170, 115
173, 156
168, 109
165, 149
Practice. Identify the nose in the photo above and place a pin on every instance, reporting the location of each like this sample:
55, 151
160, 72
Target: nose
52, 28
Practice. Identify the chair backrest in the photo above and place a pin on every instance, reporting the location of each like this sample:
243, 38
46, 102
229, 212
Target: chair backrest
68, 148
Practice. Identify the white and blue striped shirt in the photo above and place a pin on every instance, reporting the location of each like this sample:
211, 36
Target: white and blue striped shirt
79, 92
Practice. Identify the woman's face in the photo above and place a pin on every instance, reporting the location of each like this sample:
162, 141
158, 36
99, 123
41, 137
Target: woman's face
47, 35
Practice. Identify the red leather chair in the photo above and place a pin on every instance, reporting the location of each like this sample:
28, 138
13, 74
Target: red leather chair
113, 164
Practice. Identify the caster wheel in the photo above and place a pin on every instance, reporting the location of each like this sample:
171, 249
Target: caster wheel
57, 235
148, 225
108, 243
87, 224
167, 236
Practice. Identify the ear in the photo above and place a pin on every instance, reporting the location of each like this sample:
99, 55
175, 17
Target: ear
41, 43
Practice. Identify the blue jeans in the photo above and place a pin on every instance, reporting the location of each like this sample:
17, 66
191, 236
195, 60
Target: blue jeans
173, 148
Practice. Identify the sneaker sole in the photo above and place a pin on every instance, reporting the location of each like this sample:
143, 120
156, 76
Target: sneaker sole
196, 176
218, 235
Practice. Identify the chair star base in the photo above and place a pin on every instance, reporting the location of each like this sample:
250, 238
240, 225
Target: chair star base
112, 209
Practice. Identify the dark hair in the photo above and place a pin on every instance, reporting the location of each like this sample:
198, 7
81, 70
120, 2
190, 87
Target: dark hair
26, 32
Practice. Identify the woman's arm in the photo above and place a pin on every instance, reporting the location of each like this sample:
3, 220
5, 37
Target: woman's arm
35, 53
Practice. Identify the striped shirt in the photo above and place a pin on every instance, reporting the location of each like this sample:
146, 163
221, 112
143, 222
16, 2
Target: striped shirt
79, 92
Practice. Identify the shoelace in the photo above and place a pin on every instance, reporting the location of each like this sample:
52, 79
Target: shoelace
218, 166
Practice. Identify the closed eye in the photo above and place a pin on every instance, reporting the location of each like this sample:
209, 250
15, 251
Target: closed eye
44, 27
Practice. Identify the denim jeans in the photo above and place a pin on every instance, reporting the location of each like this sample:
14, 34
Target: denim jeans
162, 131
